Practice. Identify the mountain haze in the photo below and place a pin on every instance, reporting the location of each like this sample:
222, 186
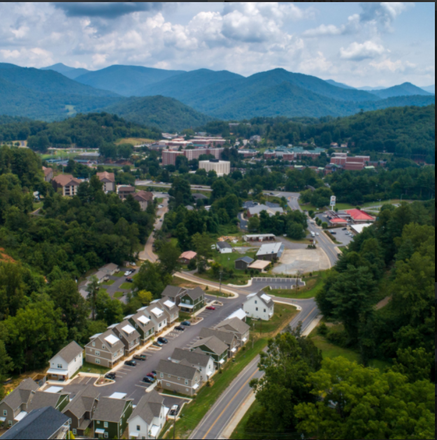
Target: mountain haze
125, 80
69, 72
338, 84
405, 89
429, 89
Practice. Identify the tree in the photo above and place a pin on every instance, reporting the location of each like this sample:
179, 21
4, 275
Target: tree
6, 365
202, 244
295, 231
358, 402
108, 309
152, 279
169, 257
92, 288
145, 297
253, 224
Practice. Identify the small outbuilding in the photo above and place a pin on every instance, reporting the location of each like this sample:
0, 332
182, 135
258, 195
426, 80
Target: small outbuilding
259, 265
187, 256
271, 251
243, 262
224, 248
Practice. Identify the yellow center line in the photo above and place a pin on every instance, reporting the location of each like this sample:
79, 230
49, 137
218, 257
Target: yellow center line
226, 407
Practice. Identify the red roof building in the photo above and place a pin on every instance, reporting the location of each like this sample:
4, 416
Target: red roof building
360, 216
338, 221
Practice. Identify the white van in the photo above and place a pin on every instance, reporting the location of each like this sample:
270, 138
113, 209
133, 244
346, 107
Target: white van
313, 234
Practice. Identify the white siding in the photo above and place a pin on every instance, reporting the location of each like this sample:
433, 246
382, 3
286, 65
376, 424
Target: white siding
72, 367
254, 303
144, 428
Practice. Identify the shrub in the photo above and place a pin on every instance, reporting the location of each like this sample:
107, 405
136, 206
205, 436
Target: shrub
322, 329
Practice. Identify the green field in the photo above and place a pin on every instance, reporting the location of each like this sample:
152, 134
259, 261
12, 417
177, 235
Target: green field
108, 283
126, 286
314, 285
91, 368
193, 412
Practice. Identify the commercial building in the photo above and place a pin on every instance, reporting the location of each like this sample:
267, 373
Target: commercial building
271, 251
357, 229
271, 211
259, 237
169, 156
355, 163
359, 216
221, 167
124, 190
259, 265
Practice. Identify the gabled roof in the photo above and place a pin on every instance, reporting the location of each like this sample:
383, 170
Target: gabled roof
266, 299
110, 409
110, 267
173, 291
83, 401
179, 370
188, 255
126, 331
224, 336
111, 341
148, 407
143, 196
213, 343
195, 293
224, 245
21, 394
69, 352
237, 324
271, 248
47, 171
193, 357
66, 180
357, 214
38, 424
105, 176
246, 259
42, 399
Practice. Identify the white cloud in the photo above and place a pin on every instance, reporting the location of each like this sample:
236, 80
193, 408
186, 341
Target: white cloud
323, 29
394, 66
360, 51
382, 14
316, 65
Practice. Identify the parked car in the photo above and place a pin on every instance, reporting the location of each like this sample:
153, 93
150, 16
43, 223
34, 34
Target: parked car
160, 206
140, 357
130, 363
187, 323
332, 232
151, 374
174, 410
148, 379
110, 376
344, 229
162, 340
158, 344
317, 233
129, 280
210, 308
132, 271
179, 328
127, 273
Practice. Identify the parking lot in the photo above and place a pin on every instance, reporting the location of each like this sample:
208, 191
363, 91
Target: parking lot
129, 379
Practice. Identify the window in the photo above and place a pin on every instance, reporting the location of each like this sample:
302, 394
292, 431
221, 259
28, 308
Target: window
97, 361
59, 366
105, 424
264, 310
93, 344
256, 302
5, 412
74, 431
186, 382
167, 384
10, 422
103, 346
138, 428
53, 364
105, 435
161, 375
256, 309
97, 353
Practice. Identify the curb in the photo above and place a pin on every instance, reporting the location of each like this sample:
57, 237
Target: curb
289, 304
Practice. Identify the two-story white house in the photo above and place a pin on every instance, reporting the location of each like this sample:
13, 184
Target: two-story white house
66, 362
259, 305
148, 417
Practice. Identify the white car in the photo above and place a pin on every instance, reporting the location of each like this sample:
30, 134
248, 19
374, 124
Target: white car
317, 233
160, 206
127, 273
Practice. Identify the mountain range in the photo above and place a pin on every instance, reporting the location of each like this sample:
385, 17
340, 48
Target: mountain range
59, 91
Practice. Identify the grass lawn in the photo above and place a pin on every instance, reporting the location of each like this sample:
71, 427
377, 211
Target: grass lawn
310, 207
193, 412
118, 294
119, 274
302, 240
313, 286
240, 431
134, 141
91, 368
127, 286
108, 283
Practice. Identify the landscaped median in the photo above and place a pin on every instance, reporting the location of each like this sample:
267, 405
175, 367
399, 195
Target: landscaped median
208, 395
313, 285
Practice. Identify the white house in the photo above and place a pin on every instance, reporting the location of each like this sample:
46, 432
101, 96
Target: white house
259, 305
224, 248
65, 363
148, 417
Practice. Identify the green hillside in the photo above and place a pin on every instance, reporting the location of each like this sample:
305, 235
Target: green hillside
167, 114
125, 80
405, 89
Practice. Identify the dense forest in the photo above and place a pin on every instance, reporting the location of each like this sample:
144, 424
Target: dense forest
42, 254
407, 132
93, 130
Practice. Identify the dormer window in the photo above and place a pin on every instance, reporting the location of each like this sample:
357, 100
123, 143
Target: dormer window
103, 346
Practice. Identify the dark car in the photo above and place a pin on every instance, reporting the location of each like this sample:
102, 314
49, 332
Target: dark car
158, 344
130, 363
344, 229
332, 232
152, 375
148, 379
163, 340
110, 376
132, 271
129, 280
140, 357
180, 328
187, 323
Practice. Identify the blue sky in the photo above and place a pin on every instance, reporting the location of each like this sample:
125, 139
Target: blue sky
360, 44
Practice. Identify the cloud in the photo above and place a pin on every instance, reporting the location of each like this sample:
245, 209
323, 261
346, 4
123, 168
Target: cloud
382, 14
323, 29
108, 10
361, 51
394, 66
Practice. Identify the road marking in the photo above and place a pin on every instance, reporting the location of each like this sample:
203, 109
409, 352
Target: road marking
226, 407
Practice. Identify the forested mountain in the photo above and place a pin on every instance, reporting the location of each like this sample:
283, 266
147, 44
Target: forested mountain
405, 89
338, 84
91, 130
69, 72
166, 114
125, 80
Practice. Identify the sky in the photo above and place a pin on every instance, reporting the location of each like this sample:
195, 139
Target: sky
359, 44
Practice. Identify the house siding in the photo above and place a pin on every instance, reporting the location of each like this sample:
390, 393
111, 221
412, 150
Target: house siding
72, 367
250, 307
198, 303
9, 413
114, 430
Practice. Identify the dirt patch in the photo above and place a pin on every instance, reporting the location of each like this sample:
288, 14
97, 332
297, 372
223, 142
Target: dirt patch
301, 260
4, 257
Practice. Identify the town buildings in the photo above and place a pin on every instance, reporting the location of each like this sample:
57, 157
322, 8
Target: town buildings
108, 181
179, 377
221, 167
259, 306
65, 363
271, 251
48, 174
124, 190
169, 156
144, 198
349, 162
67, 184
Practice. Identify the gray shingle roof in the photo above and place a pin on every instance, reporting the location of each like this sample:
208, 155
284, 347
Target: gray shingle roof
195, 293
180, 370
237, 324
172, 291
129, 337
260, 294
83, 401
110, 410
194, 358
111, 347
224, 336
21, 394
42, 399
224, 245
38, 424
246, 259
148, 407
111, 267
70, 351
213, 343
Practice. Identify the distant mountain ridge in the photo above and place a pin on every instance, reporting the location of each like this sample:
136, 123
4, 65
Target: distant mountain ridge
405, 89
338, 84
69, 72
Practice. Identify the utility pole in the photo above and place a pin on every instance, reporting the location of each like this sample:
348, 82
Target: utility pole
220, 277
